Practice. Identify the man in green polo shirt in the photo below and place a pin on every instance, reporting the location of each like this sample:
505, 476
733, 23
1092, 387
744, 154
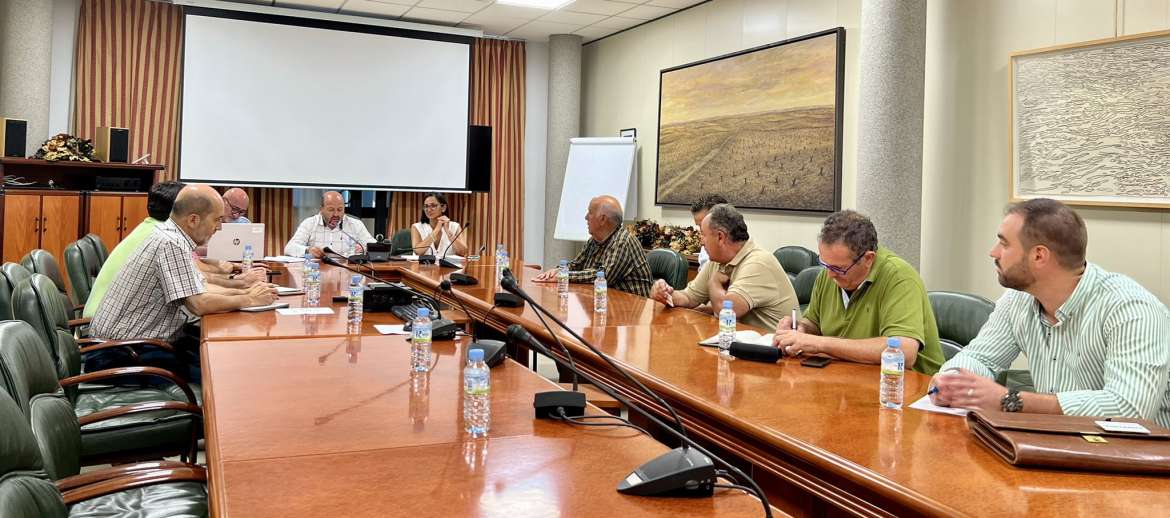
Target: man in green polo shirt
865, 295
158, 204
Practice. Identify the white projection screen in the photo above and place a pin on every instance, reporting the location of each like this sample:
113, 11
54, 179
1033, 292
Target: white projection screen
290, 102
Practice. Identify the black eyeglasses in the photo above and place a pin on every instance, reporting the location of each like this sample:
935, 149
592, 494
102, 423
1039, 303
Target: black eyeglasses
237, 212
837, 269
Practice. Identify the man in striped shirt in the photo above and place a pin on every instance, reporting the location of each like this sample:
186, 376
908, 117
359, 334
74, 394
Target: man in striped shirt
1097, 343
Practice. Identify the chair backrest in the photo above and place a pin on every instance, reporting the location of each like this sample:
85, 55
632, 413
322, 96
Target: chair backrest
10, 276
960, 316
803, 285
794, 259
81, 265
99, 246
31, 379
400, 243
42, 262
24, 491
668, 265
36, 302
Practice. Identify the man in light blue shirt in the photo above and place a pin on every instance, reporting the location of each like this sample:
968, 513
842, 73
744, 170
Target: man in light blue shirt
235, 202
1097, 343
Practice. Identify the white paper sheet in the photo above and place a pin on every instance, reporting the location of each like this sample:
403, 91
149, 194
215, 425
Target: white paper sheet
925, 405
391, 329
305, 311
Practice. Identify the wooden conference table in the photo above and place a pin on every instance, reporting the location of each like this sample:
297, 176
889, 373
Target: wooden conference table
304, 420
814, 438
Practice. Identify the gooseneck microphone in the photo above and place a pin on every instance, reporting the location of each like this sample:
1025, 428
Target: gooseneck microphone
494, 351
443, 262
430, 301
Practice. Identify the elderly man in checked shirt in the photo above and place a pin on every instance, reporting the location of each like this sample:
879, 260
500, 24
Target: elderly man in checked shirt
611, 249
1097, 343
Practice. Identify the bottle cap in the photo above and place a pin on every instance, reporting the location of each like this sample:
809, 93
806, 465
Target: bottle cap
356, 279
727, 304
424, 312
247, 247
475, 355
564, 262
894, 342
600, 274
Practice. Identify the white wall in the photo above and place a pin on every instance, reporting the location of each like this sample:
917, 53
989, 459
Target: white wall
65, 15
620, 88
535, 137
965, 151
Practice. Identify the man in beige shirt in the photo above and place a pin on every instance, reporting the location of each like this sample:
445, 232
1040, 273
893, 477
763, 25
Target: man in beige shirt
739, 271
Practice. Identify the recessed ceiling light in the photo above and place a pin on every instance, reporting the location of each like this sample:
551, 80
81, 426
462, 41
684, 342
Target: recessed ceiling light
536, 4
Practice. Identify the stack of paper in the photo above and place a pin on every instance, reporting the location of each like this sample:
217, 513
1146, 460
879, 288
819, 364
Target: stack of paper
284, 259
747, 337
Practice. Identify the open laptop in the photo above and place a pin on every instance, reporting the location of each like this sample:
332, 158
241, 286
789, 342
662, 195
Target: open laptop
228, 243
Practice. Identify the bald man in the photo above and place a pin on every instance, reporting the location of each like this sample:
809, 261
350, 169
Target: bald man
610, 248
160, 280
330, 228
235, 209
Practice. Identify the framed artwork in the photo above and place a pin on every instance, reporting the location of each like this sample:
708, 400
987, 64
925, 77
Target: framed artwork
762, 126
1090, 122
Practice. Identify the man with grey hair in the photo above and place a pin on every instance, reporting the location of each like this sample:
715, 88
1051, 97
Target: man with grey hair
864, 296
612, 249
739, 271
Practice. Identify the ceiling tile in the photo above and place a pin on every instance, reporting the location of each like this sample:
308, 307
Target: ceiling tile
604, 7
467, 6
540, 30
493, 23
591, 33
512, 11
578, 19
618, 23
434, 15
367, 8
674, 4
314, 5
647, 12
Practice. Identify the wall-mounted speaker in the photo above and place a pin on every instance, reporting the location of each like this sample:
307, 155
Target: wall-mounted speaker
479, 158
13, 135
112, 145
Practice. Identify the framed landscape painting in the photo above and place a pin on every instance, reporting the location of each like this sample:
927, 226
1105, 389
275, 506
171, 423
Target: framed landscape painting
762, 127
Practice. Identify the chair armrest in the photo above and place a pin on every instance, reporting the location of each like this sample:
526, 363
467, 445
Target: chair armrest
109, 344
93, 477
78, 322
121, 372
152, 406
132, 481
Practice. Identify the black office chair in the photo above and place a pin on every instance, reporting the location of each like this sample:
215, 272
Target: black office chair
959, 316
668, 265
33, 460
400, 244
794, 259
803, 285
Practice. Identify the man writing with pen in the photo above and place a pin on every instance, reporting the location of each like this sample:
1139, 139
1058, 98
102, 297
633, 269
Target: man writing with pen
865, 295
332, 229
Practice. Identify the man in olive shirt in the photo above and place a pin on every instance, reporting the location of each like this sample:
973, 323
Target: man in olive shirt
865, 295
739, 271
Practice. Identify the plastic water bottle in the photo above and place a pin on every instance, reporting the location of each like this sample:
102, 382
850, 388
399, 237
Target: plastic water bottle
600, 294
308, 261
354, 305
563, 278
420, 341
500, 254
313, 285
477, 395
247, 258
726, 328
893, 371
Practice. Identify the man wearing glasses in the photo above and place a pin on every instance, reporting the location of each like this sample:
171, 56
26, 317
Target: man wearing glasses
236, 202
865, 295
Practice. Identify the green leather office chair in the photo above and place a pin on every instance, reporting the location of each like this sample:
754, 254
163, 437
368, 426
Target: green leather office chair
36, 305
400, 243
99, 246
82, 266
803, 285
10, 276
42, 262
959, 317
30, 461
794, 259
668, 265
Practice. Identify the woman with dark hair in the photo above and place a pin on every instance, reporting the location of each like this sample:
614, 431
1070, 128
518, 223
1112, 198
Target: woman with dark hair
434, 231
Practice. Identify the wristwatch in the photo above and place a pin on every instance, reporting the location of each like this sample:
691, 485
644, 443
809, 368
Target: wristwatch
1011, 402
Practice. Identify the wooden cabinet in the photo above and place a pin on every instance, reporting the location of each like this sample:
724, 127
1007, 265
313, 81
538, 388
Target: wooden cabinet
113, 215
40, 219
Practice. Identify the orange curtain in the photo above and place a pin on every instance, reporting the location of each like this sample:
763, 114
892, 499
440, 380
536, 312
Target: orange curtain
497, 92
273, 208
127, 74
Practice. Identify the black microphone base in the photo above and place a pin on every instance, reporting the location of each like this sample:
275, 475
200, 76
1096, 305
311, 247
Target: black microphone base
426, 259
549, 404
679, 472
443, 329
358, 259
444, 263
463, 279
494, 351
507, 300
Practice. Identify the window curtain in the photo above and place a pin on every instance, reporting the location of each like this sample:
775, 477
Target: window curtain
128, 72
497, 97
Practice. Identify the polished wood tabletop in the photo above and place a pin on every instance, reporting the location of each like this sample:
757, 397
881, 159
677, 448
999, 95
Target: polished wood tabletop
342, 426
807, 430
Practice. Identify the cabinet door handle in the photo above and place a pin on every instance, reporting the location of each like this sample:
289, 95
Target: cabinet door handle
37, 225
44, 222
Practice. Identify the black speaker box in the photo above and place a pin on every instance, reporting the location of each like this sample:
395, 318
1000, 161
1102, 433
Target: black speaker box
13, 135
112, 145
754, 352
382, 296
479, 158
